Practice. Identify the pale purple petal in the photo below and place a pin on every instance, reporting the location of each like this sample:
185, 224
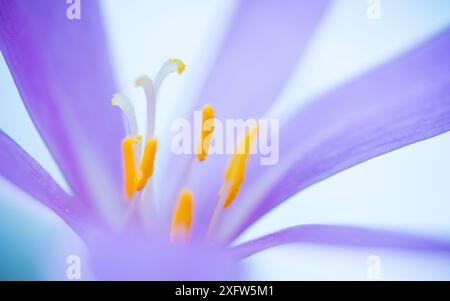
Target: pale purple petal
62, 72
135, 258
338, 235
258, 55
23, 171
402, 102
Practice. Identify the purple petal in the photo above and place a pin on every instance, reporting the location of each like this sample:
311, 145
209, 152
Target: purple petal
258, 56
335, 235
134, 258
62, 72
23, 171
403, 102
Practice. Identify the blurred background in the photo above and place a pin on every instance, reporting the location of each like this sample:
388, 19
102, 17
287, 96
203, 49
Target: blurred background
405, 190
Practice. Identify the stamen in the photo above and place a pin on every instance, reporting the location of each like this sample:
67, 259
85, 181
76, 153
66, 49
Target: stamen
206, 133
235, 173
182, 219
129, 166
146, 166
234, 177
128, 111
171, 66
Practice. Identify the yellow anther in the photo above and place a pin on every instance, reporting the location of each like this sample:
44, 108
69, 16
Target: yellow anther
146, 166
236, 180
182, 218
128, 166
180, 65
235, 173
206, 133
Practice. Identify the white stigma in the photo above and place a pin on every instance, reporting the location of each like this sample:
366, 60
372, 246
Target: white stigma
129, 113
171, 66
151, 90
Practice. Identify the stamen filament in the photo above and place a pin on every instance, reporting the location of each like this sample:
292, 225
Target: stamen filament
215, 217
182, 219
146, 166
206, 133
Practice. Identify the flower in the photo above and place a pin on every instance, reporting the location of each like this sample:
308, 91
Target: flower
65, 79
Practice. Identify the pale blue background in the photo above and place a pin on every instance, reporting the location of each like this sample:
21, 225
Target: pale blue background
405, 190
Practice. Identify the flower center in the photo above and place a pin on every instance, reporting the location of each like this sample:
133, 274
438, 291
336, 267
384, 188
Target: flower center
137, 177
